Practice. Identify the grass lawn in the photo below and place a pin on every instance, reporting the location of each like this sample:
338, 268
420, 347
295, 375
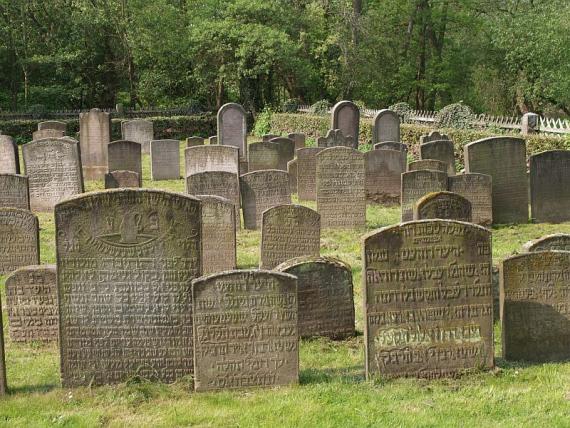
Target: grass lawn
332, 390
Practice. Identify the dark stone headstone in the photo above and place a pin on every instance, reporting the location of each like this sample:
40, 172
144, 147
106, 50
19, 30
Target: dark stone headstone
417, 184
477, 188
383, 176
165, 159
19, 239
428, 164
122, 179
268, 137
345, 116
443, 205
307, 173
125, 155
386, 127
441, 150
335, 138
286, 151
549, 186
194, 141
299, 140
433, 136
14, 191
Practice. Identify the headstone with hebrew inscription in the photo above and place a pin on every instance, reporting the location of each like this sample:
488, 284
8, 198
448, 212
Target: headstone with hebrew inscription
165, 159
125, 155
19, 239
433, 136
194, 141
428, 299
292, 170
232, 128
555, 242
47, 133
299, 139
53, 124
286, 151
336, 138
549, 186
140, 131
94, 135
417, 184
211, 158
383, 176
14, 191
400, 147
307, 173
263, 155
443, 205
428, 164
477, 188
441, 150
122, 179
9, 159
386, 127
345, 116
245, 330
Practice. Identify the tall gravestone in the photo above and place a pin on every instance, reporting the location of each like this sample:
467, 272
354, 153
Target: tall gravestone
286, 151
549, 186
299, 139
428, 300
443, 205
47, 133
211, 158
307, 173
555, 242
53, 167
94, 135
165, 159
119, 253
289, 231
292, 171
428, 164
121, 179
504, 159
53, 124
386, 127
19, 239
325, 293
232, 128
477, 188
335, 138
245, 330
125, 155
441, 150
14, 191
417, 184
263, 155
345, 116
384, 171
31, 301
9, 158
140, 131
433, 136
400, 147
194, 141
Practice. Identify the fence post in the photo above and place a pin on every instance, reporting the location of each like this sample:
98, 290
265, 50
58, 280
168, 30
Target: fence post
529, 123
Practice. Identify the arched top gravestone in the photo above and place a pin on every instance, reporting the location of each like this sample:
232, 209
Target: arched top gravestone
386, 127
433, 136
345, 116
443, 205
232, 127
9, 158
555, 242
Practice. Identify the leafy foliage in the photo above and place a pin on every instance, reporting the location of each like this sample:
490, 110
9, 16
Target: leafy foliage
456, 115
321, 107
403, 109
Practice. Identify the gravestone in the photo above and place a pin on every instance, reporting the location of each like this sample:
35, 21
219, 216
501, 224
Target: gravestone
443, 205
289, 231
53, 167
47, 133
31, 301
535, 297
125, 262
140, 131
94, 135
9, 158
232, 128
417, 184
14, 191
53, 124
345, 116
433, 136
263, 156
286, 151
299, 140
555, 242
125, 156
165, 159
477, 189
292, 170
122, 179
549, 186
213, 140
325, 294
504, 159
428, 164
245, 330
341, 194
383, 176
211, 158
307, 173
3, 384
386, 127
266, 138
19, 239
441, 150
335, 138
261, 190
400, 147
218, 234
428, 299
194, 141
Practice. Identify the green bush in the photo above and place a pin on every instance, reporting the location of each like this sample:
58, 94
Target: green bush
456, 115
321, 107
403, 109
290, 106
262, 124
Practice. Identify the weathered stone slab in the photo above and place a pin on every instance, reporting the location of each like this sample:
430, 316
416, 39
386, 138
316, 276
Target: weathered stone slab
53, 167
125, 261
286, 151
266, 138
428, 164
140, 131
441, 150
428, 300
53, 124
125, 156
392, 145
345, 116
14, 191
194, 141
9, 159
535, 297
31, 301
213, 140
555, 242
94, 135
477, 188
262, 156
504, 159
307, 173
19, 239
3, 384
47, 133
211, 158
122, 179
325, 293
341, 194
299, 139
384, 176
386, 127
245, 331
417, 184
292, 170
165, 159
443, 205
261, 190
433, 136
335, 138
232, 128
549, 186
289, 231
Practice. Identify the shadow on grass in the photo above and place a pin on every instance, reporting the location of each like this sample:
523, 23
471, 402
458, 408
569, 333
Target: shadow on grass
352, 374
29, 389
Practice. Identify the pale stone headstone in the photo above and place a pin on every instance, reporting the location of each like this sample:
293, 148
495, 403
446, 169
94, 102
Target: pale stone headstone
428, 164
428, 299
299, 139
555, 242
140, 131
266, 138
165, 159
125, 261
47, 133
400, 147
14, 191
417, 184
307, 173
433, 136
53, 124
345, 116
286, 151
125, 156
211, 158
19, 239
9, 158
254, 342
386, 127
122, 179
194, 141
232, 128
335, 138
441, 150
443, 205
477, 188
94, 135
550, 186
292, 170
383, 176
262, 156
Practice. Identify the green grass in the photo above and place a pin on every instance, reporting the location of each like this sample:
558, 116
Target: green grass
332, 390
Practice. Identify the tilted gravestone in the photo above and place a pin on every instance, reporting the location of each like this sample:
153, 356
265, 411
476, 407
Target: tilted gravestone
266, 138
443, 205
289, 231
428, 299
218, 234
19, 239
94, 135
211, 158
341, 194
14, 191
194, 141
299, 140
165, 159
9, 158
335, 138
441, 150
383, 176
535, 297
119, 253
549, 189
232, 128
53, 167
125, 156
325, 293
433, 136
400, 147
53, 124
292, 170
140, 131
345, 116
428, 164
261, 190
504, 159
47, 133
122, 179
286, 151
477, 188
245, 330
417, 184
555, 242
386, 127
31, 301
307, 173
262, 156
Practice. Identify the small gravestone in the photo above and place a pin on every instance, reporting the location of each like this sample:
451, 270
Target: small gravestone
232, 128
261, 190
428, 299
292, 170
386, 127
443, 205
335, 138
441, 150
218, 234
286, 151
326, 300
477, 188
307, 173
14, 191
345, 116
53, 167
289, 231
245, 330
263, 156
140, 131
9, 159
213, 140
165, 159
400, 147
535, 299
194, 141
19, 239
299, 140
383, 176
31, 301
417, 184
125, 156
555, 242
341, 194
549, 186
433, 136
94, 135
428, 164
53, 124
47, 133
122, 179
211, 158
504, 159
266, 138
